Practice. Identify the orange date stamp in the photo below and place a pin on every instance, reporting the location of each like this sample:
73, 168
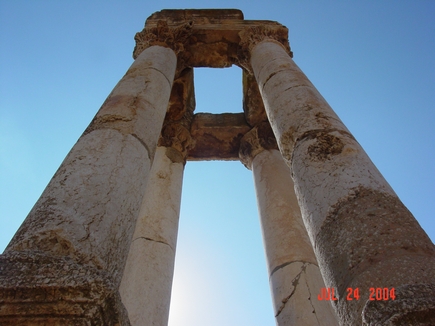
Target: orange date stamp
375, 294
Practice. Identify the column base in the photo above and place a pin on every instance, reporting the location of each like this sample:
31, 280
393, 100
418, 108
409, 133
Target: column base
38, 289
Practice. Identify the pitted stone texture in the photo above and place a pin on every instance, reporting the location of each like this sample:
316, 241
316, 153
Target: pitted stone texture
413, 306
327, 167
250, 36
95, 195
176, 136
178, 29
372, 240
146, 283
343, 197
38, 289
283, 85
163, 35
296, 286
198, 16
88, 210
182, 99
90, 203
213, 35
138, 103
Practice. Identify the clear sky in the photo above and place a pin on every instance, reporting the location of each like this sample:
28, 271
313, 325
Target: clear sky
373, 61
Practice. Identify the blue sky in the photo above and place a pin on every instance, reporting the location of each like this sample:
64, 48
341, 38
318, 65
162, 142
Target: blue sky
373, 61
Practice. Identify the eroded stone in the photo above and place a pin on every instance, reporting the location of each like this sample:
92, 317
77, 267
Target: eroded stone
363, 235
64, 264
147, 279
217, 136
85, 217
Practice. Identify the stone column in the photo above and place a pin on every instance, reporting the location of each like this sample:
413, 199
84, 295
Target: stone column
363, 235
147, 280
65, 263
294, 274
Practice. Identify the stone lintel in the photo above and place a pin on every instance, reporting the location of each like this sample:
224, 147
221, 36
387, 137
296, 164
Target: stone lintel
212, 41
198, 16
217, 136
252, 101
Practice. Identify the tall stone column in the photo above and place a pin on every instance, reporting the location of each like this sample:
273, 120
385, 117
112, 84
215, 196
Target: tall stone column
363, 235
147, 280
294, 274
65, 263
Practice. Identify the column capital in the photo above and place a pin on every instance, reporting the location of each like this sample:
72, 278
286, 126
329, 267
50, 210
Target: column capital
171, 37
252, 35
178, 138
255, 141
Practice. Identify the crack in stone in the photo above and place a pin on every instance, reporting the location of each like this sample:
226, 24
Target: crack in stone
311, 303
153, 240
169, 82
277, 72
270, 76
294, 86
287, 263
144, 145
295, 283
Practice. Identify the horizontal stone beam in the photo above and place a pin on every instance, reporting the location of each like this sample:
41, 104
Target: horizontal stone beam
217, 136
213, 38
214, 16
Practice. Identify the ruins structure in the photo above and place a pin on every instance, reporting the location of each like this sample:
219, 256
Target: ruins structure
98, 247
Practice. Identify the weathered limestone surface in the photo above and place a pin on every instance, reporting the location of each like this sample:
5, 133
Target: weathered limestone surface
294, 274
203, 38
86, 215
253, 106
147, 280
182, 99
363, 235
64, 265
217, 136
296, 285
41, 289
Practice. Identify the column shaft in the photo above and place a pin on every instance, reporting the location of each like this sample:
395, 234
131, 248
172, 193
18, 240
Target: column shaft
364, 237
295, 277
85, 217
147, 280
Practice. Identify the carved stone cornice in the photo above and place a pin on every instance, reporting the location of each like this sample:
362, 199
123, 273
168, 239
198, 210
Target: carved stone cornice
255, 141
252, 35
178, 138
171, 37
